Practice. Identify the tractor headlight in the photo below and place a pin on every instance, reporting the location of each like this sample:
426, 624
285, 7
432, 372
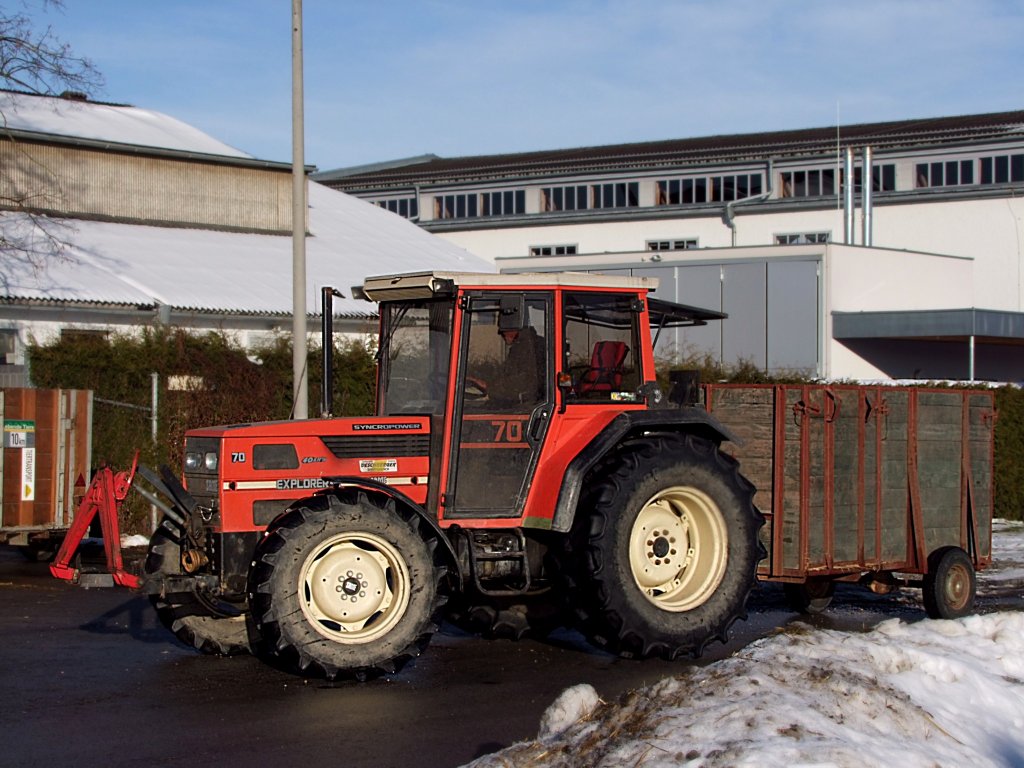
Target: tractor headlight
193, 461
210, 461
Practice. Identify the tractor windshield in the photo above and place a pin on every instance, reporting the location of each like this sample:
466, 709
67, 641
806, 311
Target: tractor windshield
415, 347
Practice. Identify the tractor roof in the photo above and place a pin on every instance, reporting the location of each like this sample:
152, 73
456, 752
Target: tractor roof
424, 285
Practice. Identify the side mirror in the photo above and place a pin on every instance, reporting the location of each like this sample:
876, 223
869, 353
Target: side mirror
512, 313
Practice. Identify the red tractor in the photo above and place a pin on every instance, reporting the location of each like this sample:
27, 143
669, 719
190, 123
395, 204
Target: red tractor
521, 449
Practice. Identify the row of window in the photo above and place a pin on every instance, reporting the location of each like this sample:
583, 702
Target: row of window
708, 189
406, 207
821, 182
996, 169
695, 190
684, 244
506, 202
582, 197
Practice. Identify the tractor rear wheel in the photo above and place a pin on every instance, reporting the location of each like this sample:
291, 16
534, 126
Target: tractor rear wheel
347, 586
197, 619
670, 548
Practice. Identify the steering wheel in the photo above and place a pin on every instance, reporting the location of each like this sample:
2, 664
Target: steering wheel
475, 389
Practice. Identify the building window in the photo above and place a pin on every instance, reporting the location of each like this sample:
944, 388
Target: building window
507, 202
950, 173
811, 183
572, 198
803, 238
684, 244
883, 178
623, 194
406, 207
8, 346
552, 250
455, 206
1002, 169
709, 189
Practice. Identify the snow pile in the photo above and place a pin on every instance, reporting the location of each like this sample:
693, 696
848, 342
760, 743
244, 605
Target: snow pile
1007, 567
923, 694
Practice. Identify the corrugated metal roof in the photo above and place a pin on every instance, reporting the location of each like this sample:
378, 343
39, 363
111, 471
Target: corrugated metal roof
681, 152
108, 263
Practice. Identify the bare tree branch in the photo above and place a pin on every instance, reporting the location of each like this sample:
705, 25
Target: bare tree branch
37, 61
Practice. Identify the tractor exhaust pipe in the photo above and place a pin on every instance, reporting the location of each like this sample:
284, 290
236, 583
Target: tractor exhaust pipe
327, 349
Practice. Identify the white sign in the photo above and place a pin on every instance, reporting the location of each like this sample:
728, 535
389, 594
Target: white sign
28, 474
378, 465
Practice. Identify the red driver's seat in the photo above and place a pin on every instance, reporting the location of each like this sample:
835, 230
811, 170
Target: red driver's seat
605, 372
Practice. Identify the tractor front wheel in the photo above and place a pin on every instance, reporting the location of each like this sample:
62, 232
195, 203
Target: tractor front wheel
347, 586
197, 619
669, 549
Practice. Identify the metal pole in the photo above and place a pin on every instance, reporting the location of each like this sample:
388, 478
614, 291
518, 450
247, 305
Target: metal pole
970, 362
300, 409
848, 197
866, 183
154, 397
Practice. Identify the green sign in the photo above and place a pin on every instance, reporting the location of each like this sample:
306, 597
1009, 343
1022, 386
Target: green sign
19, 434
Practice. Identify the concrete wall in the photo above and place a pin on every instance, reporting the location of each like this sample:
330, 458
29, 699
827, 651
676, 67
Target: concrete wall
76, 181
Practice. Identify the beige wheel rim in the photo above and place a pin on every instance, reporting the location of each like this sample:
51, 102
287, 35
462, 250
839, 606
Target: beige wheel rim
679, 548
354, 588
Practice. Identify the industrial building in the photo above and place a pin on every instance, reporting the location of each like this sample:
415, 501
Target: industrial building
114, 218
917, 274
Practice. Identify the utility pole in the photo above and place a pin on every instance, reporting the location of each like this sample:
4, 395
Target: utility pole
300, 389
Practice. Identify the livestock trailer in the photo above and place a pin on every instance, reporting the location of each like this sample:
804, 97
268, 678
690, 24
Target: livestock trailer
866, 483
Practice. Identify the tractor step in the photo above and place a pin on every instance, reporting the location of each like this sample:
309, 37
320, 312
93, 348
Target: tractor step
499, 563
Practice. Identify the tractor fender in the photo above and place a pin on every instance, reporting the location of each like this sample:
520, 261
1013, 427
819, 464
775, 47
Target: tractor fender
372, 486
694, 421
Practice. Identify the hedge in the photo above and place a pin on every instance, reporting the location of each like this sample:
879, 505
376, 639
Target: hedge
225, 384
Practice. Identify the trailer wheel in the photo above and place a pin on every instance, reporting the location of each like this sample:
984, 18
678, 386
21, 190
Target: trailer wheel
347, 586
950, 584
670, 548
197, 619
813, 596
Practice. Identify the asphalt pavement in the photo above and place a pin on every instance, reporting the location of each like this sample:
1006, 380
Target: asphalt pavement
90, 678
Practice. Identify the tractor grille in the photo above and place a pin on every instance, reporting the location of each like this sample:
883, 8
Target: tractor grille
362, 446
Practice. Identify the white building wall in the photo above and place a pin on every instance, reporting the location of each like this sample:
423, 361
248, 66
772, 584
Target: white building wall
989, 231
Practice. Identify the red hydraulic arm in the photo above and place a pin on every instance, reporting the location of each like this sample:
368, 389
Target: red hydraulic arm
104, 497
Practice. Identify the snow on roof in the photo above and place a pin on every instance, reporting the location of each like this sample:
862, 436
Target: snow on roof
226, 272
120, 124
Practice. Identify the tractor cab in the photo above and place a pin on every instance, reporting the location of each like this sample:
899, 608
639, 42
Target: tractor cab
510, 367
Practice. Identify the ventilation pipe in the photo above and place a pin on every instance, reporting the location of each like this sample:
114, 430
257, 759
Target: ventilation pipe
848, 197
866, 182
730, 215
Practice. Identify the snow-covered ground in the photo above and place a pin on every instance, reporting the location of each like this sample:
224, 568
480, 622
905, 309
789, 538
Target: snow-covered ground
928, 693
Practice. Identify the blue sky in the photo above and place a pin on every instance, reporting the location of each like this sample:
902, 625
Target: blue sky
386, 79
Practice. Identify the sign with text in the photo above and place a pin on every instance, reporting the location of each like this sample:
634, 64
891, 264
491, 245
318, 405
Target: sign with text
19, 434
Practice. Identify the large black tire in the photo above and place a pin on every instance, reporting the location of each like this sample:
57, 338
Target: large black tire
347, 586
813, 596
669, 545
197, 619
950, 584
